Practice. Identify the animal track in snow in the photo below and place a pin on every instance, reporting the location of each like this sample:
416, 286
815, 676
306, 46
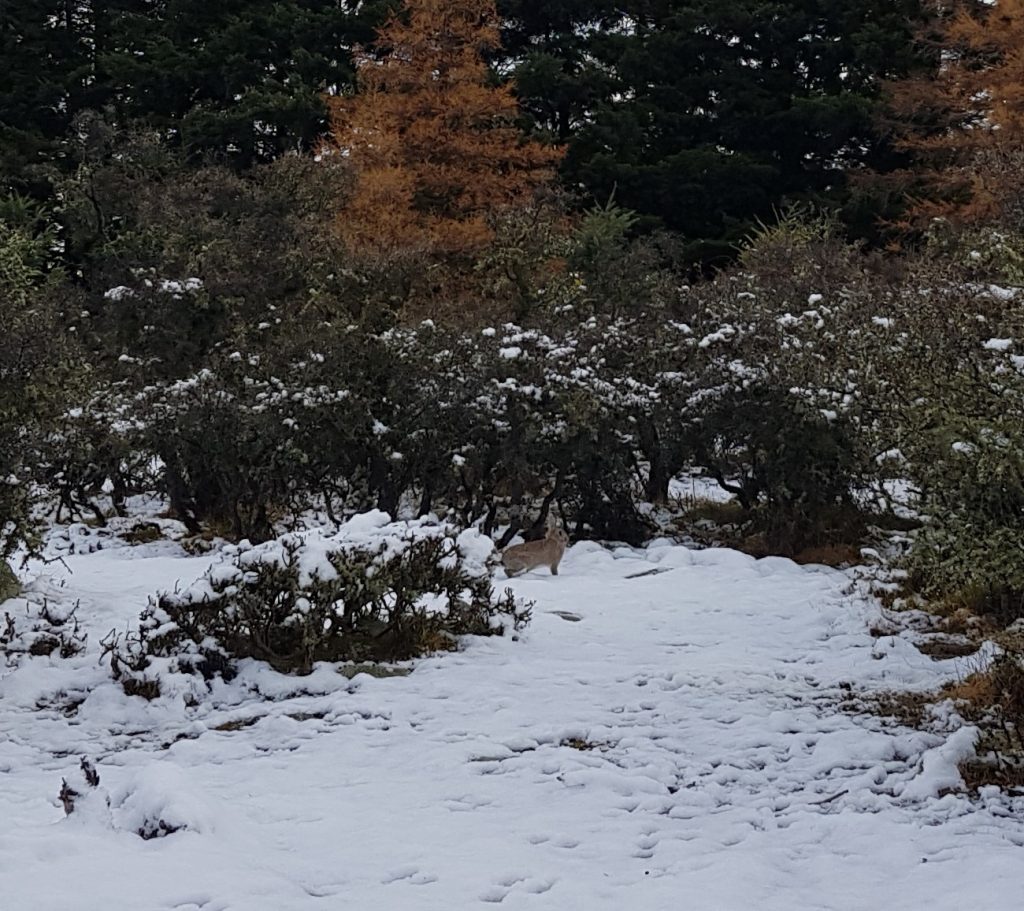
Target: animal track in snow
466, 803
538, 886
409, 873
494, 894
500, 890
198, 903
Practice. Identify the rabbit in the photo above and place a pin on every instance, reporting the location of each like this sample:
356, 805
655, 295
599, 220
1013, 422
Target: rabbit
548, 552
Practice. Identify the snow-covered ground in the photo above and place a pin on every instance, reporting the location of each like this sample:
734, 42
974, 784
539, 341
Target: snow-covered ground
664, 735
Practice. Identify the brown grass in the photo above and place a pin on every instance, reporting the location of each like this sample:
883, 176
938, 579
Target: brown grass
976, 692
907, 709
993, 700
995, 770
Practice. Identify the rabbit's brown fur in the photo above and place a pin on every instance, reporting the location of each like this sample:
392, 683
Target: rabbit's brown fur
521, 558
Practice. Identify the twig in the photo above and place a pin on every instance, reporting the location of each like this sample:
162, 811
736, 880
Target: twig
821, 803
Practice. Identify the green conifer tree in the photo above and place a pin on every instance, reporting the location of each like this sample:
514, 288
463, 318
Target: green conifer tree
706, 115
243, 79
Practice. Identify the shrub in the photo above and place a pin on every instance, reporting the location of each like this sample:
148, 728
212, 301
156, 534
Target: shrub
971, 473
794, 467
373, 592
235, 445
178, 261
37, 364
42, 629
958, 413
595, 412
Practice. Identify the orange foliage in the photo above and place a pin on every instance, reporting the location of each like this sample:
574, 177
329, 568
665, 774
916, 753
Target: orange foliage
433, 142
964, 121
989, 77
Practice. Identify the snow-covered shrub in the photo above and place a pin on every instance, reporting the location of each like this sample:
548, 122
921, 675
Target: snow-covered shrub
45, 628
153, 801
916, 372
232, 446
82, 789
89, 456
375, 590
481, 423
593, 409
158, 800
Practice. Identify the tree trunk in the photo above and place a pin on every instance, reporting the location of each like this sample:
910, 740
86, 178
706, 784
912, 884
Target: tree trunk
177, 493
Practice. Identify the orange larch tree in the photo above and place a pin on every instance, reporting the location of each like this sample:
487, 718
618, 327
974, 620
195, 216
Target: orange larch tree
987, 74
432, 139
966, 122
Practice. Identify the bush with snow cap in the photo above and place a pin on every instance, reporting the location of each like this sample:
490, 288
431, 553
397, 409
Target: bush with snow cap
40, 628
375, 590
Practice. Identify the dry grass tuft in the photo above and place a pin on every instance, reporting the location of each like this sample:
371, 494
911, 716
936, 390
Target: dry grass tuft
907, 709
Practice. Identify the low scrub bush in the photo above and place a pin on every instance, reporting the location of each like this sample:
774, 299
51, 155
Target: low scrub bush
757, 375
375, 591
41, 629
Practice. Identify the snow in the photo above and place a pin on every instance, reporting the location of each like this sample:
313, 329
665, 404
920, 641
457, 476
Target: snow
118, 293
998, 344
167, 286
665, 734
724, 334
696, 488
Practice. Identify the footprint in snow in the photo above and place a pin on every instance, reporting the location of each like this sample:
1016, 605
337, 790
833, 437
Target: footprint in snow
500, 890
645, 846
466, 803
538, 886
509, 881
409, 874
198, 903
